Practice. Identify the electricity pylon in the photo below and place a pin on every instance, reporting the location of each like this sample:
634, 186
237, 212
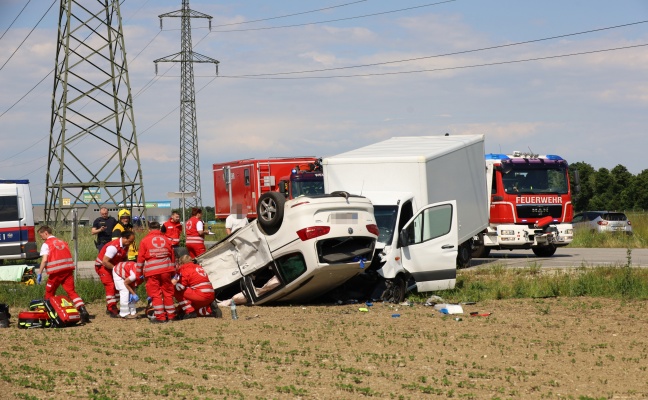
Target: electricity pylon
189, 160
93, 156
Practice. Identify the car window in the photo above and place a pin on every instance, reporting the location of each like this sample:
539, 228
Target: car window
578, 218
291, 266
614, 217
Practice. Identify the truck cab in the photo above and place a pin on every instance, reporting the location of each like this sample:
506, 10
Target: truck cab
530, 204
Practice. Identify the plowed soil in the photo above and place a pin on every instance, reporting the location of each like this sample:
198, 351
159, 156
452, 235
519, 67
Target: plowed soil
576, 348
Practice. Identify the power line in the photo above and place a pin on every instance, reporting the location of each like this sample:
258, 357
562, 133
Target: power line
29, 34
12, 22
448, 54
291, 15
440, 69
336, 20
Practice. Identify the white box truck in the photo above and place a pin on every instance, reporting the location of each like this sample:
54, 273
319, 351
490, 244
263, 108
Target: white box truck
430, 200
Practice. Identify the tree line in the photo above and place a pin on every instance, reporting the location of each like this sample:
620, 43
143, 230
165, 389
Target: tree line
612, 190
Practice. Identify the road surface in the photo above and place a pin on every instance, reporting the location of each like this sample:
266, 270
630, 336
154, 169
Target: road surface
564, 258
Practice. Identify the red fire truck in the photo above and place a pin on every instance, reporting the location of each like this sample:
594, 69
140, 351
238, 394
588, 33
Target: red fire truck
530, 204
245, 181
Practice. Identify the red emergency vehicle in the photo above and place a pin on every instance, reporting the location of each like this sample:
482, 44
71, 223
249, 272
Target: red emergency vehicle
245, 181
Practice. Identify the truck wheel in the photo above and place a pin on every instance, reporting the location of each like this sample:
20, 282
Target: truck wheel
464, 255
270, 211
544, 251
481, 251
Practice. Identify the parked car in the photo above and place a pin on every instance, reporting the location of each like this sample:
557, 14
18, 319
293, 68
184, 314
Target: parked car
296, 250
603, 221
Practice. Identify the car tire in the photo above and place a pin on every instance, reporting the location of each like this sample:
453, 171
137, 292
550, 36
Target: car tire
270, 211
544, 251
395, 292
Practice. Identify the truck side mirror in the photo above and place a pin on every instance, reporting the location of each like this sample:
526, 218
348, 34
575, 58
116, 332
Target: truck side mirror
576, 182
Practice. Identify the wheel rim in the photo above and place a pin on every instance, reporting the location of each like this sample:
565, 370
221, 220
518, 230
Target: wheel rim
268, 209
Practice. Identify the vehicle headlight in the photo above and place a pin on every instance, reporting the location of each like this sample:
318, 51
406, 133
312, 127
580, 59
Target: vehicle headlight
569, 231
508, 232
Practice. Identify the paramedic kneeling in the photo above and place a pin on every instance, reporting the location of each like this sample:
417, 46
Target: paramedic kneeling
126, 280
57, 261
193, 290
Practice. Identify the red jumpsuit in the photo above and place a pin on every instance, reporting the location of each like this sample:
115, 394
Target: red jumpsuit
194, 290
195, 243
173, 230
60, 268
105, 275
156, 262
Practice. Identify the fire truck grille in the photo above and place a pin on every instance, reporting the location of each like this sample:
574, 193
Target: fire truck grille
345, 249
536, 211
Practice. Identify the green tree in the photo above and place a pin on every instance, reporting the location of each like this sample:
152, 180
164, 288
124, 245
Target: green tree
586, 175
622, 196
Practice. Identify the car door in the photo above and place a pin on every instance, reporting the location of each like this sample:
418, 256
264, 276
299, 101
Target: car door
429, 243
239, 255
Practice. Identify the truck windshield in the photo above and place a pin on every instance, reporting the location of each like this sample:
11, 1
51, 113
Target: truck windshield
536, 180
386, 221
307, 188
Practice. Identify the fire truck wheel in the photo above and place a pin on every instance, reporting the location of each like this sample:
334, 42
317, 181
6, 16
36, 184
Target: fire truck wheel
270, 211
544, 251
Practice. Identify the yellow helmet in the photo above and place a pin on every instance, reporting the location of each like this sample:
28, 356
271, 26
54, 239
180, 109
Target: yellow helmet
123, 213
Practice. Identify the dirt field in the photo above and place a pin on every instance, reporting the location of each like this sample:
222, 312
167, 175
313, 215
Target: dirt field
528, 349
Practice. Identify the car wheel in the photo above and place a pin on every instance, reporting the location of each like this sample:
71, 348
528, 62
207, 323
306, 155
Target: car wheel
544, 251
270, 211
395, 292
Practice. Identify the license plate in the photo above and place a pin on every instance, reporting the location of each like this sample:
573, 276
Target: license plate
344, 218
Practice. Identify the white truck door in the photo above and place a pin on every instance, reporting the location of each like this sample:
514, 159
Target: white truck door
429, 243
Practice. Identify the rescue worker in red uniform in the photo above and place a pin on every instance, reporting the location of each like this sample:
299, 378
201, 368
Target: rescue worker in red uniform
57, 261
126, 281
193, 290
112, 253
194, 229
172, 229
156, 261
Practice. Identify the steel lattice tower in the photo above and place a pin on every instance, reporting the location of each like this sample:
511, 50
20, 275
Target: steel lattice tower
189, 160
93, 155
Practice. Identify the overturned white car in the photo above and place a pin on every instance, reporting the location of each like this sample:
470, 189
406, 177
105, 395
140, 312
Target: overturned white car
296, 250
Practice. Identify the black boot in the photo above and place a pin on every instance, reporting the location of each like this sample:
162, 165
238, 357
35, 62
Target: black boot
85, 317
215, 310
4, 316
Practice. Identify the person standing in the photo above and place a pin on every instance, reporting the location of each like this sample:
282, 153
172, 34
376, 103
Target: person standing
193, 290
195, 231
235, 221
156, 261
125, 225
172, 229
112, 253
103, 227
126, 280
57, 261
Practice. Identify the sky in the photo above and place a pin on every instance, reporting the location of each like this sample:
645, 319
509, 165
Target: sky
392, 68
